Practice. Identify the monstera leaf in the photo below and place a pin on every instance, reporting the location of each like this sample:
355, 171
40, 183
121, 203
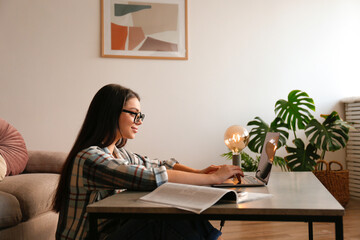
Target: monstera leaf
331, 135
301, 158
258, 133
280, 162
295, 111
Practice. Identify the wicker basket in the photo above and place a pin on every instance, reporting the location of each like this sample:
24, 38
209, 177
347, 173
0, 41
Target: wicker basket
336, 181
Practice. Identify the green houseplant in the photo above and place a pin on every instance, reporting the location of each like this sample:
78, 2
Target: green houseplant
294, 115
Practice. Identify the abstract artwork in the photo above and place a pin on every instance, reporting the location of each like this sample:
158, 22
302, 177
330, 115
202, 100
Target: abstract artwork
144, 29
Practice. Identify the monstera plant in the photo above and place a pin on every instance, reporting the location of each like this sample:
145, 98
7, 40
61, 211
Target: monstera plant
294, 115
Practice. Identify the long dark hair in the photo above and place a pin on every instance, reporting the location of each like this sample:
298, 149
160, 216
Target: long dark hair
99, 129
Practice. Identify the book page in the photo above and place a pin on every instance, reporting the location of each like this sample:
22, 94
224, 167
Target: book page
250, 196
188, 197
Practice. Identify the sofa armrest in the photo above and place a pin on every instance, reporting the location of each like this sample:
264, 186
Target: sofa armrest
10, 211
45, 162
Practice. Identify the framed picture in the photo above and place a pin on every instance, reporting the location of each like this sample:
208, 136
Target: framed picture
155, 29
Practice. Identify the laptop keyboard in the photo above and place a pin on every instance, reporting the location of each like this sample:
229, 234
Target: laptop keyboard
249, 180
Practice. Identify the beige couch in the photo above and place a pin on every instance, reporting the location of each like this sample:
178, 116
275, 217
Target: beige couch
25, 199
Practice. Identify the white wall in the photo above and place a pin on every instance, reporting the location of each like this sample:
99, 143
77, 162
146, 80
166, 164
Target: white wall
243, 56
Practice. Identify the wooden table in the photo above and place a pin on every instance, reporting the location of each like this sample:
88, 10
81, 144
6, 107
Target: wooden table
296, 197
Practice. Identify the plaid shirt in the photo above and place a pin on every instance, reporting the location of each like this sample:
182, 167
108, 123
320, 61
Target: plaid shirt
96, 174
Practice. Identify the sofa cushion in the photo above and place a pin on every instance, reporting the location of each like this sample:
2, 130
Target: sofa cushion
10, 212
34, 192
45, 162
41, 227
12, 148
2, 168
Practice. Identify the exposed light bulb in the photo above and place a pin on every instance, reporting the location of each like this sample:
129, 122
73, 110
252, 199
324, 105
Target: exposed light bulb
236, 139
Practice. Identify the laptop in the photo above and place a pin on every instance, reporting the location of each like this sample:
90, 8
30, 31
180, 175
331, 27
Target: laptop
262, 173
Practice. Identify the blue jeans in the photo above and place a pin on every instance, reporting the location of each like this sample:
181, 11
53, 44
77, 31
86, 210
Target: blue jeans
153, 229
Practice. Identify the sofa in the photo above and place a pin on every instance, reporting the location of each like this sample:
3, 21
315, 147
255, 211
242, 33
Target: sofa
26, 198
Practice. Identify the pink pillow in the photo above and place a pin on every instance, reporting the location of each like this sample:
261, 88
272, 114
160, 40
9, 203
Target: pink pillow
12, 148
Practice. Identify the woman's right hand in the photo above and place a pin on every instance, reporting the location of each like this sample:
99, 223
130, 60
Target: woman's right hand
225, 172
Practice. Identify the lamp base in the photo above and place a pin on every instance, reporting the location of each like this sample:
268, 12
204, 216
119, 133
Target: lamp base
236, 160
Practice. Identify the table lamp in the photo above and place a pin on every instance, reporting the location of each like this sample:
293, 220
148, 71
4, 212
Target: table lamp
236, 139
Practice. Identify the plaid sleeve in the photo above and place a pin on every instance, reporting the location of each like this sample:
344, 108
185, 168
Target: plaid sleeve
147, 162
100, 170
169, 164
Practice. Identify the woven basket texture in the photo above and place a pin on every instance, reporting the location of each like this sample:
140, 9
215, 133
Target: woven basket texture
335, 181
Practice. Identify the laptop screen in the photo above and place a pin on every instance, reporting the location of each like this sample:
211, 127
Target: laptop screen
267, 156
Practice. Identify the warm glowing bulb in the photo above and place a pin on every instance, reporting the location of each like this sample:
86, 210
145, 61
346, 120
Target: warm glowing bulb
236, 138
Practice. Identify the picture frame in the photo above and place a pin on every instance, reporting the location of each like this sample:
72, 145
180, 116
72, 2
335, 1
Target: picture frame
147, 29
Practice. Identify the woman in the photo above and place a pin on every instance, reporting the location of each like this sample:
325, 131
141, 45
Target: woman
98, 164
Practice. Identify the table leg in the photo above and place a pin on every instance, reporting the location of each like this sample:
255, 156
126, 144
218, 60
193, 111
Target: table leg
93, 233
310, 224
339, 231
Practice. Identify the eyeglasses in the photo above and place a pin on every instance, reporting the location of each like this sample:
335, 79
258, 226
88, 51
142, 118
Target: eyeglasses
138, 115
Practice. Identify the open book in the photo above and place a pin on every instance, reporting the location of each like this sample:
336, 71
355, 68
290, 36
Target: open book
196, 198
